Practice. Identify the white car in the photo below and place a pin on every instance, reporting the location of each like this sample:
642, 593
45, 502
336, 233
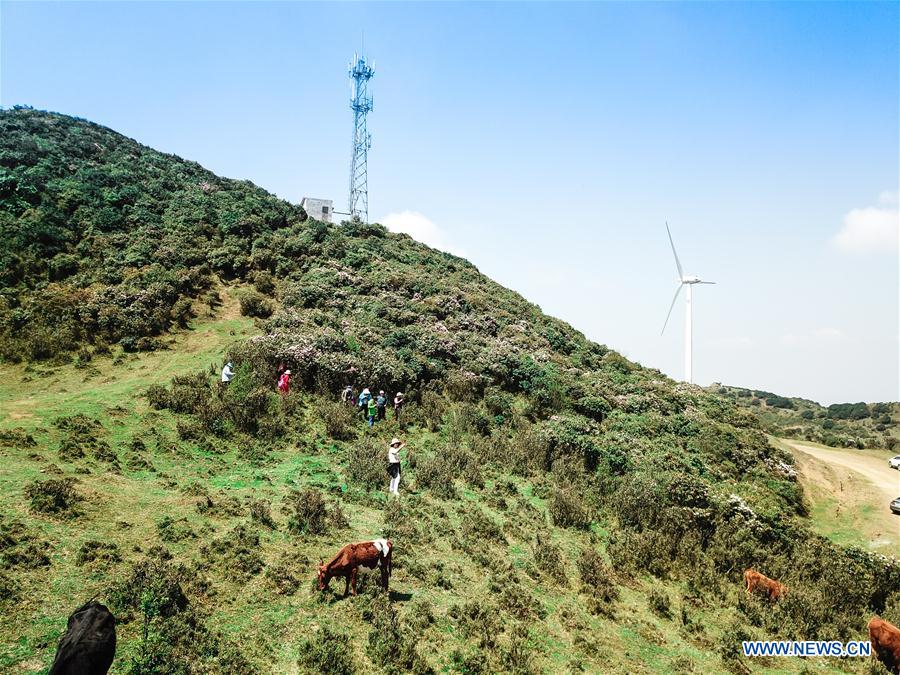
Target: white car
894, 462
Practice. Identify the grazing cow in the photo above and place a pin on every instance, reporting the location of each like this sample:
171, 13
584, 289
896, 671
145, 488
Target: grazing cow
885, 640
89, 644
346, 563
771, 588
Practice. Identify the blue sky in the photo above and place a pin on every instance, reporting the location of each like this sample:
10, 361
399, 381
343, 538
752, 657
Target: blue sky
549, 143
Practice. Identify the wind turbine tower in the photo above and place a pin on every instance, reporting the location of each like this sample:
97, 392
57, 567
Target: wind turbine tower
361, 104
684, 281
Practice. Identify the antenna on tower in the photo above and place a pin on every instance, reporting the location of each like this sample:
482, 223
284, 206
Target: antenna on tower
361, 104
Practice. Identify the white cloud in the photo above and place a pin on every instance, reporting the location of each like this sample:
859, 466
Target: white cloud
829, 333
421, 229
736, 341
874, 228
888, 198
824, 334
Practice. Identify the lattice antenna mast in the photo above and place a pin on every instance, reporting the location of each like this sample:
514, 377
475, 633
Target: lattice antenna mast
361, 104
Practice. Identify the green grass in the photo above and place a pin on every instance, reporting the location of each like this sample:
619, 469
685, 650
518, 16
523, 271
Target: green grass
266, 625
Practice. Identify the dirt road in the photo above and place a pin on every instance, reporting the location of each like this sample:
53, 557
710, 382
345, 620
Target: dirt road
848, 493
873, 468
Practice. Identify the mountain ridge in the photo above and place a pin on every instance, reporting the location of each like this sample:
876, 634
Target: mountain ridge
563, 508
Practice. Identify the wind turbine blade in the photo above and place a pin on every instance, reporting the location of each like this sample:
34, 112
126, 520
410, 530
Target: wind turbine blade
705, 282
677, 261
671, 307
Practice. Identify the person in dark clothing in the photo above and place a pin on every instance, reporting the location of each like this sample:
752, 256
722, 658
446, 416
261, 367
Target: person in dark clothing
381, 403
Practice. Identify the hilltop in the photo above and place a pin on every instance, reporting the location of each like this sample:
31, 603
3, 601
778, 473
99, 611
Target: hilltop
562, 508
845, 425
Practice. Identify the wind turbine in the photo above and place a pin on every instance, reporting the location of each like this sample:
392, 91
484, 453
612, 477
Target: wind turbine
689, 281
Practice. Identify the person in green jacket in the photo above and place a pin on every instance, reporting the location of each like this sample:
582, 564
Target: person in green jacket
372, 411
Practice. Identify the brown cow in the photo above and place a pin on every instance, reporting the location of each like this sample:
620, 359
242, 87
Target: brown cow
885, 640
757, 580
348, 560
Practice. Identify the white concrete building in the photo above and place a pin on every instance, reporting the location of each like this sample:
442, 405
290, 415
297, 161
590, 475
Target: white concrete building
320, 209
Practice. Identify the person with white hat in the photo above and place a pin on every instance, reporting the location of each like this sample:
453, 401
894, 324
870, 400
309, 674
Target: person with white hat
284, 384
227, 373
394, 464
363, 402
398, 405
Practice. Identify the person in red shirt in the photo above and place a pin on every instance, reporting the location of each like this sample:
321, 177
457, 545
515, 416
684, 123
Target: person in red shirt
284, 383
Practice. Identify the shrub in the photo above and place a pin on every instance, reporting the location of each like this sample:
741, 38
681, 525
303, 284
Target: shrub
432, 407
247, 405
391, 639
173, 638
264, 282
366, 464
567, 509
9, 587
517, 655
152, 585
512, 596
342, 422
730, 643
237, 554
548, 558
659, 603
647, 551
310, 514
436, 475
326, 652
478, 529
282, 577
185, 395
598, 582
531, 451
182, 312
261, 512
55, 497
173, 531
98, 552
406, 523
479, 621
16, 438
255, 304
28, 555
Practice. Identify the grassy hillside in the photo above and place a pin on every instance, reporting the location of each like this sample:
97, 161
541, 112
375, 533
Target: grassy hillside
562, 508
842, 425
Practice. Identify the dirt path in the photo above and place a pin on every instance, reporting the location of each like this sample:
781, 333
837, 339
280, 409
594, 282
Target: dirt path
873, 468
848, 493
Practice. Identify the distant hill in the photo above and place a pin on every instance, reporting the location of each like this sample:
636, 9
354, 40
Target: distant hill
871, 425
562, 508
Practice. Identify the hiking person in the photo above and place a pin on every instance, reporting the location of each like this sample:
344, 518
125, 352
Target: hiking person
398, 405
372, 408
363, 401
347, 395
280, 371
284, 382
393, 468
381, 402
227, 373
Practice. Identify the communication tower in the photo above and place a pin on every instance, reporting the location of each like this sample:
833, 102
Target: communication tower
361, 104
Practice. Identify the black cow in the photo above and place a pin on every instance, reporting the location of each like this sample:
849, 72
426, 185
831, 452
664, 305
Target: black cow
89, 644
